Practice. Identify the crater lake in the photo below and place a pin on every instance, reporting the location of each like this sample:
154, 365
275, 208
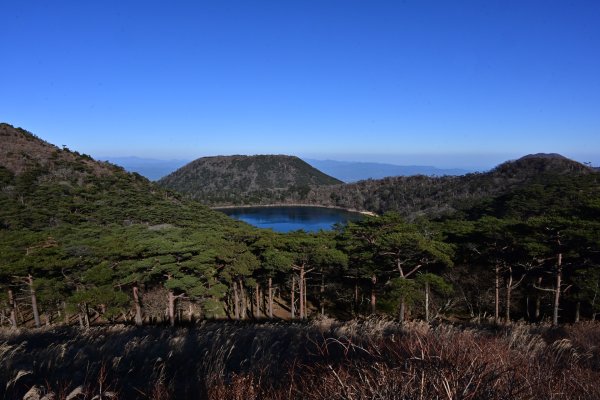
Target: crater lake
291, 218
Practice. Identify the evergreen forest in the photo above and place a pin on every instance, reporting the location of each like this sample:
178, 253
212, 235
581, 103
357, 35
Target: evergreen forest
85, 246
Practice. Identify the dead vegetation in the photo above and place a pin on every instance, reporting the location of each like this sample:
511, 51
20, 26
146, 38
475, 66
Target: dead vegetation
325, 359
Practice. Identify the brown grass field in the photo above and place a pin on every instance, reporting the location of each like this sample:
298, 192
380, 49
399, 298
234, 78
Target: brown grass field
323, 359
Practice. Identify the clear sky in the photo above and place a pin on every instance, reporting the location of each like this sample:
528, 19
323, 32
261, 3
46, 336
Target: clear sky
446, 83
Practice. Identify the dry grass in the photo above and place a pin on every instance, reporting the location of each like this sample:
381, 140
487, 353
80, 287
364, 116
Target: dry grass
326, 359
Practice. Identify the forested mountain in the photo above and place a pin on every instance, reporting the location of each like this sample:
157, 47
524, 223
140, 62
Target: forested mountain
45, 187
76, 233
270, 179
433, 196
260, 179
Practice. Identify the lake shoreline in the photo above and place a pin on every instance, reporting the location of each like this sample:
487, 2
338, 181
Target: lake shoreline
351, 210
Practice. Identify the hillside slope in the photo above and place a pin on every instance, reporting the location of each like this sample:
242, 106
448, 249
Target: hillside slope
80, 231
43, 186
433, 196
260, 179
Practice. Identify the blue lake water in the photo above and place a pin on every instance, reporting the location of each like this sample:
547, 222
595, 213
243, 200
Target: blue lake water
287, 219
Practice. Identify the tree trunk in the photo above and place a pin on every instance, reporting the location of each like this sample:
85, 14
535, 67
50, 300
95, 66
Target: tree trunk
138, 306
305, 302
20, 315
577, 311
242, 300
427, 301
538, 302
64, 305
557, 290
402, 312
191, 311
301, 287
322, 293
236, 301
13, 312
257, 294
373, 294
293, 298
508, 293
34, 306
86, 316
497, 294
171, 307
270, 297
356, 296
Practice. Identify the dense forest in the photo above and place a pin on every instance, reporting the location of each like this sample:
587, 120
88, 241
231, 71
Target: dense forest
85, 241
84, 244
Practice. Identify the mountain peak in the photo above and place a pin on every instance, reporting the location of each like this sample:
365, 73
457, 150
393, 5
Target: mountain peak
548, 156
540, 163
22, 150
240, 179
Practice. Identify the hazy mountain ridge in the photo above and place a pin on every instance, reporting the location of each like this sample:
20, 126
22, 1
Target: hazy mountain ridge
241, 179
346, 171
151, 168
352, 171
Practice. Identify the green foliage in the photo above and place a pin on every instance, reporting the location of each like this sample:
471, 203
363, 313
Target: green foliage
86, 232
436, 283
113, 301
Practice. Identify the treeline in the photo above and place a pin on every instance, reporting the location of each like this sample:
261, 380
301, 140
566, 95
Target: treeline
533, 254
84, 242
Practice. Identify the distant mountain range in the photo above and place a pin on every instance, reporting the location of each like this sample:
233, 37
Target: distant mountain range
152, 169
351, 171
346, 171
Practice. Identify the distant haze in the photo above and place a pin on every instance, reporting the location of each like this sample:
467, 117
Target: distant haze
349, 171
152, 169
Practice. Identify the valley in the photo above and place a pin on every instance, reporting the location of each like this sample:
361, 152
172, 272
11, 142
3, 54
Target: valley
94, 257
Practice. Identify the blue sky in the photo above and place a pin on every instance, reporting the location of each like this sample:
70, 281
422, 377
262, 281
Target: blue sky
445, 83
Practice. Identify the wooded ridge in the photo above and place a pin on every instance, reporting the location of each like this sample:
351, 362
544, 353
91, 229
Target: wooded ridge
216, 182
260, 179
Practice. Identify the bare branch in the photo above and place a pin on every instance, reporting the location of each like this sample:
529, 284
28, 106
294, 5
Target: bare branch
544, 289
412, 271
518, 283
